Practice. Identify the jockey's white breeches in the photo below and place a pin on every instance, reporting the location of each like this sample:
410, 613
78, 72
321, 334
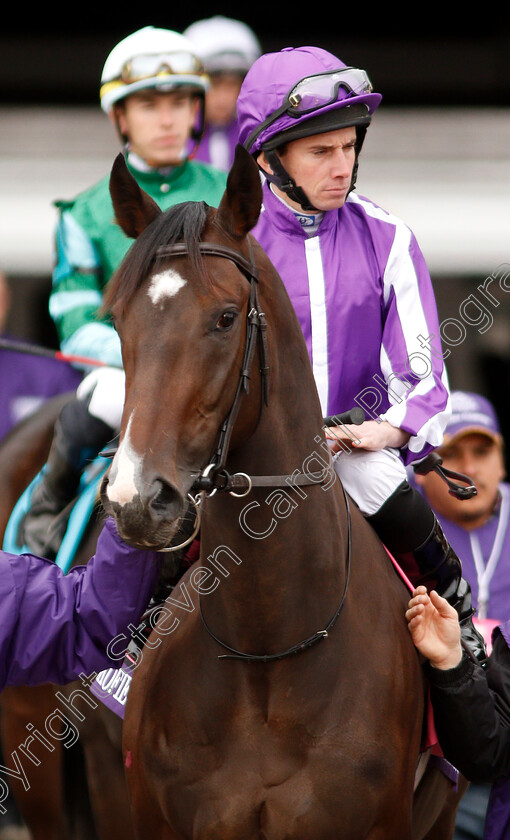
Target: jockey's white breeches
370, 478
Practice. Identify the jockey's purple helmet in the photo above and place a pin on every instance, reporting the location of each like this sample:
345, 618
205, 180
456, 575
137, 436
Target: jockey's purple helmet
263, 119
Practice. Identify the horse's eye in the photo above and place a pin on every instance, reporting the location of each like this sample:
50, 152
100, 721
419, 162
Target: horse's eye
226, 321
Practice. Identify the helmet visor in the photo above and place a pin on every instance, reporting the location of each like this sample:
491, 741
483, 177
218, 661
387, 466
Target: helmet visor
163, 64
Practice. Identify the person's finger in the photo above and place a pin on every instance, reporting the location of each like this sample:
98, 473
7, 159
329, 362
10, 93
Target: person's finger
419, 599
442, 605
414, 611
414, 623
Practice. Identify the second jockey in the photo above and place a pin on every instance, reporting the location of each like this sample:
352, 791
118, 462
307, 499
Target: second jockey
153, 89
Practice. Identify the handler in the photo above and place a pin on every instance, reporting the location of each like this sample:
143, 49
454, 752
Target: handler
362, 293
56, 627
471, 704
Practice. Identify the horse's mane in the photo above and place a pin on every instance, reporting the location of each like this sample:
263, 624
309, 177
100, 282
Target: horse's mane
182, 223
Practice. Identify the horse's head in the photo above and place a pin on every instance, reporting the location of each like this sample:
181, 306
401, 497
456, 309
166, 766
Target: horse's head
181, 310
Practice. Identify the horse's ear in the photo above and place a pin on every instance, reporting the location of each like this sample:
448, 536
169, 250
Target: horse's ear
134, 209
240, 206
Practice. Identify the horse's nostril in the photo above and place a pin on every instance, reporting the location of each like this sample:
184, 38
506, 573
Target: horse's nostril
166, 500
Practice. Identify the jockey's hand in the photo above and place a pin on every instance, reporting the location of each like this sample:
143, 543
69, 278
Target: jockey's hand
370, 434
434, 627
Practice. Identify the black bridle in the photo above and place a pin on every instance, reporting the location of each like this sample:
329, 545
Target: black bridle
214, 477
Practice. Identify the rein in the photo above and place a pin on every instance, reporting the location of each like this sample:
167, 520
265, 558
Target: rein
29, 349
306, 643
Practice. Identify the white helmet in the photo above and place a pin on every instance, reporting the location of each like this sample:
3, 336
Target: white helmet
150, 58
224, 44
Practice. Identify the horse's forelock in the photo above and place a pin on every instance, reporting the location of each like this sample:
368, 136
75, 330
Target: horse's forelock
182, 223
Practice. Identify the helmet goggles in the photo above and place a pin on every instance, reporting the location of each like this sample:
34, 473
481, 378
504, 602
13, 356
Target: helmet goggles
322, 89
149, 66
315, 92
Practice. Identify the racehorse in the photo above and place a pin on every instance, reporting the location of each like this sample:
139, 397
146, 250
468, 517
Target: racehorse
78, 793
280, 695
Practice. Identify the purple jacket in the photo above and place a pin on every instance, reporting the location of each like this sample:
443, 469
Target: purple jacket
26, 381
55, 627
490, 544
364, 299
218, 145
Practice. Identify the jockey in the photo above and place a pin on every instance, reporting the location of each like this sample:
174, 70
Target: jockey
227, 48
363, 296
153, 90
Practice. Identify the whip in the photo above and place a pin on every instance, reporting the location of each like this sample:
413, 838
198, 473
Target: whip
36, 350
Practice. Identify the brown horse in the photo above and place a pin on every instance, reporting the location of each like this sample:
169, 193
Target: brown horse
78, 793
280, 695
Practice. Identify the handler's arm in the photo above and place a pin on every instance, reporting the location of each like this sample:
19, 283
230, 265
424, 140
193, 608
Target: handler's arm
472, 714
471, 704
61, 625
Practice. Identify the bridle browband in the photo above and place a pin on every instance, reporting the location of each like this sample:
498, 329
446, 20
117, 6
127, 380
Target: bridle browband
214, 477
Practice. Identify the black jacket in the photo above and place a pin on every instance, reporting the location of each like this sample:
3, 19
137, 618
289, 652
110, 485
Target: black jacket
472, 714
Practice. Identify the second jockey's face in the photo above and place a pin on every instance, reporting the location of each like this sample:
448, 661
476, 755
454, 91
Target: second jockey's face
221, 98
158, 125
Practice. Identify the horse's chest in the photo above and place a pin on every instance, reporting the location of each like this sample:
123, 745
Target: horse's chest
230, 805
267, 782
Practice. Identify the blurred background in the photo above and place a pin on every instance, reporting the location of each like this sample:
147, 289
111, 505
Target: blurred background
437, 153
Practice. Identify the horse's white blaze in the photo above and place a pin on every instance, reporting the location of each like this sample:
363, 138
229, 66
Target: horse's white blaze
125, 468
166, 284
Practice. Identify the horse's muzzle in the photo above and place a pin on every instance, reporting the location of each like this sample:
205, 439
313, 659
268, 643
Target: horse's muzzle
150, 518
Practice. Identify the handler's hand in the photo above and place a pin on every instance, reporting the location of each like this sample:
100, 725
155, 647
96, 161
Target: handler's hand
434, 627
368, 435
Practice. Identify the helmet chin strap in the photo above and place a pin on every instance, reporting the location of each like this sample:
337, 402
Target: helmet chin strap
281, 179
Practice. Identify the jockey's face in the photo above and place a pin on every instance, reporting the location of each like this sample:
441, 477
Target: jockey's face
322, 165
158, 125
481, 458
221, 97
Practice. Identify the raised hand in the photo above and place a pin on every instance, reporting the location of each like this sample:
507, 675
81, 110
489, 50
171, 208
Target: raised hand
434, 627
